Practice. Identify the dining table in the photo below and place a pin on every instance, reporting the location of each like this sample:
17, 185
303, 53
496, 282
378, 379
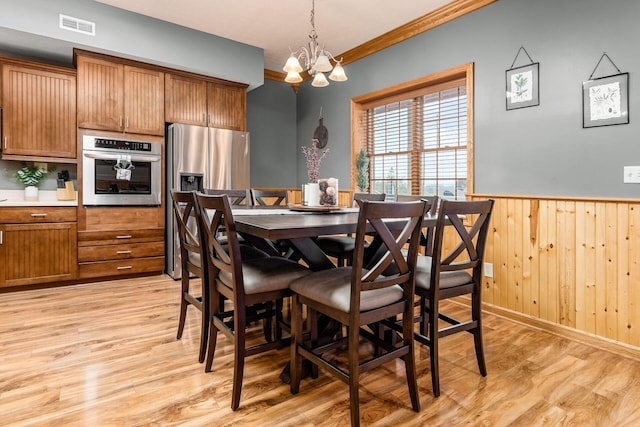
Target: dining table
299, 229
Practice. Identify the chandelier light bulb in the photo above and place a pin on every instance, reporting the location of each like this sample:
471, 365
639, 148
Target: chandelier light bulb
293, 77
292, 65
338, 74
320, 80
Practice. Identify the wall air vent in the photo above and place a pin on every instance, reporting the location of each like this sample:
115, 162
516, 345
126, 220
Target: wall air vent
77, 25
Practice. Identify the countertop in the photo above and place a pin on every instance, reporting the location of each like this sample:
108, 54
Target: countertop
45, 198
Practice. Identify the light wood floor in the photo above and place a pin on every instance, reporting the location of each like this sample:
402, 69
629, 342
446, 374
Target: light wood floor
105, 354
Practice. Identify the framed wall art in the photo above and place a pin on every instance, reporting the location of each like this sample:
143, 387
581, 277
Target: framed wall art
605, 101
522, 84
522, 87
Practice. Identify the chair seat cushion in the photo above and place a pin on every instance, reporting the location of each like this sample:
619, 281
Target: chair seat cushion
448, 279
266, 274
333, 288
336, 244
194, 258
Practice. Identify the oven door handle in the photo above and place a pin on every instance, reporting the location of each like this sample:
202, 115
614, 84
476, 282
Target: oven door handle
134, 158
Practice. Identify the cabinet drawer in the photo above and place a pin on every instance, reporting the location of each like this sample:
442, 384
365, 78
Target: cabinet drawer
113, 252
120, 267
34, 214
118, 237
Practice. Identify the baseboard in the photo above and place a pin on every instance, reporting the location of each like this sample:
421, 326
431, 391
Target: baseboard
607, 344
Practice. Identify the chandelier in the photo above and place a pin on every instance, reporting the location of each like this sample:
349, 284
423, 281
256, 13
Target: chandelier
316, 61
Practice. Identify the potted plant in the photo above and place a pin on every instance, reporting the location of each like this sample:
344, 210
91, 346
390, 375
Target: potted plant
31, 178
362, 171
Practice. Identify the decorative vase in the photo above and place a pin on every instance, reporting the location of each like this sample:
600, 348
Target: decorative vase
311, 194
31, 193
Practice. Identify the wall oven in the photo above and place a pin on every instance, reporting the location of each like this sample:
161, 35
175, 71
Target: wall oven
120, 172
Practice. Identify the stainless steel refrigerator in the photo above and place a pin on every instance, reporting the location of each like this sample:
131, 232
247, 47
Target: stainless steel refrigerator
199, 158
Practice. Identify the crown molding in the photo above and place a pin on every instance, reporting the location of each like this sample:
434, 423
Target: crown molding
442, 15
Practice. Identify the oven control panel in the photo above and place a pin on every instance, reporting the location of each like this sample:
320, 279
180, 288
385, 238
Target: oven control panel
118, 144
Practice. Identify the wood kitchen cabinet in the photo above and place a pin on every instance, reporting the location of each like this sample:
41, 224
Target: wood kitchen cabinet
195, 101
122, 252
37, 245
119, 97
39, 112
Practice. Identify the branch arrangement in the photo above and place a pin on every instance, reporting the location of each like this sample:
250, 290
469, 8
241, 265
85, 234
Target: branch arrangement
313, 160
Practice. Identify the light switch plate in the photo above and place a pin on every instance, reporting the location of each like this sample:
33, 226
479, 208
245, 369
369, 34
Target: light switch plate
632, 174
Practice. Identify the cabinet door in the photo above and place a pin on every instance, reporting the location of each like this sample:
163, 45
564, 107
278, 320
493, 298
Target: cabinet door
226, 106
185, 100
38, 253
144, 101
100, 94
39, 112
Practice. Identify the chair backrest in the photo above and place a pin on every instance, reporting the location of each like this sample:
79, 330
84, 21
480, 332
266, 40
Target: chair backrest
186, 213
269, 197
427, 236
237, 197
468, 253
433, 201
374, 197
392, 265
220, 241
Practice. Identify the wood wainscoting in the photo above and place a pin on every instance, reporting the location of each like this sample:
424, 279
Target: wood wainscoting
567, 265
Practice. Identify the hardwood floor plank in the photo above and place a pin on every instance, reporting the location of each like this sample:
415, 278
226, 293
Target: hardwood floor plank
105, 354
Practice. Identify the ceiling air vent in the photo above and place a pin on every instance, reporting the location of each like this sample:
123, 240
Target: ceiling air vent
77, 25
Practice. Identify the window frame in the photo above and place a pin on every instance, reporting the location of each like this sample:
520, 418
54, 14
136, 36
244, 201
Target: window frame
432, 82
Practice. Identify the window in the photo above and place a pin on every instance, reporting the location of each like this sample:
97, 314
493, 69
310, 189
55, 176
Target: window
417, 138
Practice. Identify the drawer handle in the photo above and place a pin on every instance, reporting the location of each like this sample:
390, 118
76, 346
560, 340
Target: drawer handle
123, 252
39, 215
124, 236
124, 267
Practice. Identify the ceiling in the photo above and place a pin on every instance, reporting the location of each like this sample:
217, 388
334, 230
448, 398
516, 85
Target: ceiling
278, 26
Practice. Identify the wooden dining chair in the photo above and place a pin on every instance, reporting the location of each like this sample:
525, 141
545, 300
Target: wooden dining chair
359, 296
254, 288
426, 240
341, 247
452, 273
273, 198
269, 197
185, 209
237, 197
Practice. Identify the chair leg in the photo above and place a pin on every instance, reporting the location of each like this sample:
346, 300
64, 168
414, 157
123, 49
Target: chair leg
240, 350
206, 320
211, 346
433, 354
183, 306
295, 366
476, 313
354, 377
215, 303
410, 360
267, 324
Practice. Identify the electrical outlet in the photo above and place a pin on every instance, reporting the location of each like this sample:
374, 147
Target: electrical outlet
41, 165
488, 269
632, 175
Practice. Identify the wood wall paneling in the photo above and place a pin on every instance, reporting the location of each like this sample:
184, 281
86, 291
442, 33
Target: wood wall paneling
574, 263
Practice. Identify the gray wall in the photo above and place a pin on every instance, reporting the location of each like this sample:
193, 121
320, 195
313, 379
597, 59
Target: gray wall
539, 150
271, 120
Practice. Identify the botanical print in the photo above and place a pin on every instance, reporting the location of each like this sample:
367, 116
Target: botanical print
604, 101
522, 87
